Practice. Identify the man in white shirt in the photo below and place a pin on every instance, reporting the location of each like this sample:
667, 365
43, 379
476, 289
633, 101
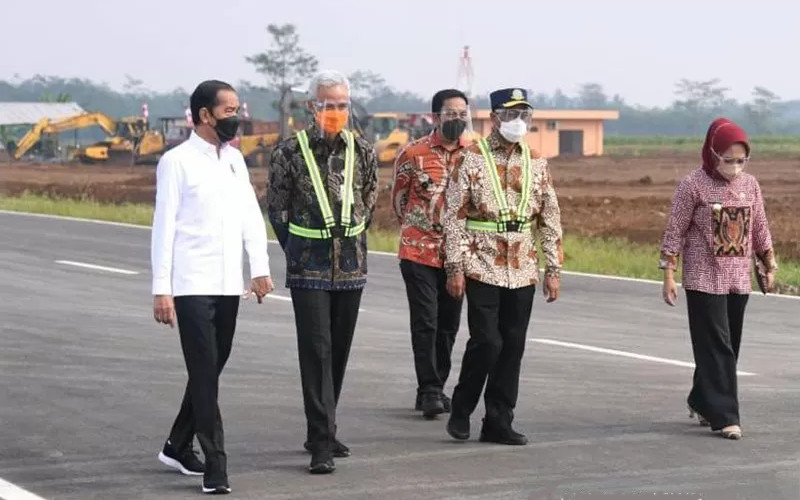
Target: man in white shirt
206, 216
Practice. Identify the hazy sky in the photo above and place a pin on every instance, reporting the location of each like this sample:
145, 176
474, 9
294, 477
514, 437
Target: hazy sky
636, 48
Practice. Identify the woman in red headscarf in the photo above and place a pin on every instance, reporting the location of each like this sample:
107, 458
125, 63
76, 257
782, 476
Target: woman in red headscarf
717, 224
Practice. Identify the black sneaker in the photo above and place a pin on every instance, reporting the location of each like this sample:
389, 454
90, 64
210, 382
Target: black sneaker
185, 461
215, 481
216, 487
431, 405
339, 450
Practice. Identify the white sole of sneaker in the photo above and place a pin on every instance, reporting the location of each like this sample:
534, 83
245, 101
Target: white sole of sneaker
216, 490
171, 462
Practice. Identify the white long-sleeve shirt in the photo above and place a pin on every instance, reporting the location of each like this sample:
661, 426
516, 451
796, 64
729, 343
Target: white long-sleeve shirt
206, 215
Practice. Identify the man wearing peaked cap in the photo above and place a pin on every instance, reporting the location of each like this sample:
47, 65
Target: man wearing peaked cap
499, 201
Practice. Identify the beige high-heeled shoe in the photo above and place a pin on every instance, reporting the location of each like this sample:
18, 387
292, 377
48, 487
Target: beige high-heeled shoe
732, 432
701, 419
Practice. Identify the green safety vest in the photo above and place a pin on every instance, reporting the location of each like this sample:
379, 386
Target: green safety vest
505, 224
330, 229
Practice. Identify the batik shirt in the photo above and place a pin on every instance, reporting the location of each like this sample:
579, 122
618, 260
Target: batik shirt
421, 174
505, 259
322, 264
716, 226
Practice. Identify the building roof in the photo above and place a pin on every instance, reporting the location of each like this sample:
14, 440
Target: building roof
28, 113
563, 114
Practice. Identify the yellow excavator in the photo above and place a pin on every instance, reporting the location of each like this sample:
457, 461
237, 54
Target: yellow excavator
128, 138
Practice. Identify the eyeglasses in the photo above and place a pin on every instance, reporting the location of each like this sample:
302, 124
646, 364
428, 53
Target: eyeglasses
331, 106
452, 114
731, 161
508, 115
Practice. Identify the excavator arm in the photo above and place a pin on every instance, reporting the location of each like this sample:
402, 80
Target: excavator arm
30, 138
45, 126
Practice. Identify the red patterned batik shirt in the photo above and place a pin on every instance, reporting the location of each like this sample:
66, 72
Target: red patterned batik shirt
421, 174
716, 225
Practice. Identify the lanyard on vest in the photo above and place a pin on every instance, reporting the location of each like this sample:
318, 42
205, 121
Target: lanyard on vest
320, 192
497, 187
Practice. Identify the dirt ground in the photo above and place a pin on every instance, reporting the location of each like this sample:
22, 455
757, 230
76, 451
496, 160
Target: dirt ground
606, 196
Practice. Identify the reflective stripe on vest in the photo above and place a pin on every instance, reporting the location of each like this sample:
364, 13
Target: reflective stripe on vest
497, 227
321, 195
500, 195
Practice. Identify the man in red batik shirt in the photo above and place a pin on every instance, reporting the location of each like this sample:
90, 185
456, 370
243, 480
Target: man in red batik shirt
422, 171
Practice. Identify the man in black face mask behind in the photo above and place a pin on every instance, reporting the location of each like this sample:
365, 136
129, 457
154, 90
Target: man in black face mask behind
422, 171
206, 216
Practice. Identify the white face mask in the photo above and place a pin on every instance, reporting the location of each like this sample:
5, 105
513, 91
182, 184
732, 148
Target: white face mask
728, 171
514, 130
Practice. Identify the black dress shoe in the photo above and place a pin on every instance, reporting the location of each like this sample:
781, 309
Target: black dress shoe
321, 463
458, 427
445, 403
431, 405
418, 402
338, 450
502, 436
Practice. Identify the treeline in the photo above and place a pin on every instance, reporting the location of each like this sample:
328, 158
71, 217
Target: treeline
696, 103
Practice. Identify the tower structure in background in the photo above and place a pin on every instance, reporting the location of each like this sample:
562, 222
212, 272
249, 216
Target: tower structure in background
466, 76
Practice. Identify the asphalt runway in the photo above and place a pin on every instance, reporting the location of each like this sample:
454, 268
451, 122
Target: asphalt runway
90, 384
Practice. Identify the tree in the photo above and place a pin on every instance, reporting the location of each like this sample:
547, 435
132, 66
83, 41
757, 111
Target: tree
60, 97
700, 100
134, 85
560, 100
285, 65
367, 85
592, 96
762, 109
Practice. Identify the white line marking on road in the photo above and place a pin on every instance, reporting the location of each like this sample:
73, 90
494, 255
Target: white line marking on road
626, 354
96, 267
10, 491
372, 252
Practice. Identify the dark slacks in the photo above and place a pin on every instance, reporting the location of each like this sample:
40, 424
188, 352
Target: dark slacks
498, 321
435, 319
325, 322
206, 325
715, 325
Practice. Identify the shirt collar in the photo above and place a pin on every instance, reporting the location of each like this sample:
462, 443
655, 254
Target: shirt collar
204, 146
436, 141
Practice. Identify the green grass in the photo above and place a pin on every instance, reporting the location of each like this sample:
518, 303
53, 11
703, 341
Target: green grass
83, 209
609, 256
647, 145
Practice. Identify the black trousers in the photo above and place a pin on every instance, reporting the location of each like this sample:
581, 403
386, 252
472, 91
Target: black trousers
325, 323
715, 325
498, 321
435, 319
206, 325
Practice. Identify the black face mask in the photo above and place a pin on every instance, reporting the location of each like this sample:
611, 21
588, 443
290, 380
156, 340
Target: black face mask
226, 128
452, 129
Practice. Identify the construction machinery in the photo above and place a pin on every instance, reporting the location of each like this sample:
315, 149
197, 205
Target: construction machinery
256, 140
393, 131
123, 137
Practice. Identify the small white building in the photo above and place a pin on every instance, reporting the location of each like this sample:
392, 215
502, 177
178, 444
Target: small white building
29, 113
